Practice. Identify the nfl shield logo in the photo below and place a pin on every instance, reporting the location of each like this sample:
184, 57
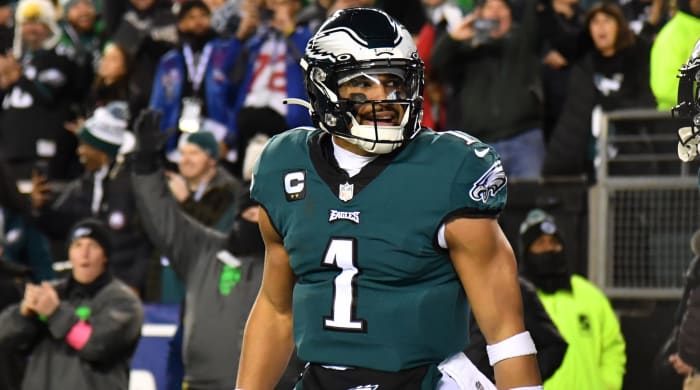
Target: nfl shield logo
345, 192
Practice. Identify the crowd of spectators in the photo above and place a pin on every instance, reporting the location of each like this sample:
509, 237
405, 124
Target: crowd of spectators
522, 75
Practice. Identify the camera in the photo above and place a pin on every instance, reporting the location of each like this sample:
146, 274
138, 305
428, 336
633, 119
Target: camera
483, 29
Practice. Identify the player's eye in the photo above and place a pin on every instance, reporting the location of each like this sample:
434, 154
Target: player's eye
393, 82
359, 82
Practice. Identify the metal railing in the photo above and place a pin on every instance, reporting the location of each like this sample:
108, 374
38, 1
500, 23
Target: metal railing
643, 208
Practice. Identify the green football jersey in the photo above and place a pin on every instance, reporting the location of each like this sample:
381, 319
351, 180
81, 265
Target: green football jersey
374, 288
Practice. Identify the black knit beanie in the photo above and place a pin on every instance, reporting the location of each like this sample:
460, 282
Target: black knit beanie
92, 228
537, 223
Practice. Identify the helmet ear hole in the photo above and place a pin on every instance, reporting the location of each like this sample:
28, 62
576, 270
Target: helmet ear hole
353, 41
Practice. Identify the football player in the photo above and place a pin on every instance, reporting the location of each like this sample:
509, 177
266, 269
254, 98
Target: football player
688, 108
374, 230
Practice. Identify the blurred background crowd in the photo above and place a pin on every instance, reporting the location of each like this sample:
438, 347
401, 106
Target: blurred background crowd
523, 75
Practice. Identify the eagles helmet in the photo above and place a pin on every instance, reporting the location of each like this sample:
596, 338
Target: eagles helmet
689, 106
354, 49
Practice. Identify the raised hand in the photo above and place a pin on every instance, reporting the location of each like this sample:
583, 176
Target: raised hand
149, 141
149, 138
465, 29
41, 191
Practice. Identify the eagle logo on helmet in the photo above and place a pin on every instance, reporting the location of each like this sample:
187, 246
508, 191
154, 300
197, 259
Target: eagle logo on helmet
336, 44
355, 42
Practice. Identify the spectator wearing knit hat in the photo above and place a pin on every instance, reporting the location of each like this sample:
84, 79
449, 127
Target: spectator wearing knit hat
37, 82
202, 258
206, 191
595, 357
79, 332
103, 192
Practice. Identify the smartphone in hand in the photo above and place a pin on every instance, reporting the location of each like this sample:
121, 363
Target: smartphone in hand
41, 168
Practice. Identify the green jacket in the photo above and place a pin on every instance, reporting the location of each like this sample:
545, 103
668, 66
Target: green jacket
596, 356
671, 50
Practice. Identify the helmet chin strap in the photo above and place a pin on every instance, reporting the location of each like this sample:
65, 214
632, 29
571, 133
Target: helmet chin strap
373, 147
388, 138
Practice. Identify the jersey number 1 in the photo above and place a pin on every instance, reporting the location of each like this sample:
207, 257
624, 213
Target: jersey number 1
341, 253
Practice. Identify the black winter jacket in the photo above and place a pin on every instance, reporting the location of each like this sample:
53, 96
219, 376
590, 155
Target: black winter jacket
571, 146
497, 86
131, 249
34, 110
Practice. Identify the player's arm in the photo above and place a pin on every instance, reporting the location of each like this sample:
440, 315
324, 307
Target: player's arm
486, 266
268, 341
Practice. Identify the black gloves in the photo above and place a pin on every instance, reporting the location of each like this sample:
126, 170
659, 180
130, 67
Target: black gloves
149, 141
244, 237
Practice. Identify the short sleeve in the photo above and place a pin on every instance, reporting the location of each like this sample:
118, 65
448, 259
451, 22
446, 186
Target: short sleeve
479, 186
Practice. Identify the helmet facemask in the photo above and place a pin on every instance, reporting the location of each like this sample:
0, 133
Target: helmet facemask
689, 107
365, 46
375, 105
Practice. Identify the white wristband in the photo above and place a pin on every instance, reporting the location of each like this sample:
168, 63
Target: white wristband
517, 345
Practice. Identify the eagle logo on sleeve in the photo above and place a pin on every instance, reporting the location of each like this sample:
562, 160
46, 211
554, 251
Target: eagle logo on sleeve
488, 185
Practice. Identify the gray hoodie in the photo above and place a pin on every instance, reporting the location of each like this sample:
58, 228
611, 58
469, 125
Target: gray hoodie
213, 322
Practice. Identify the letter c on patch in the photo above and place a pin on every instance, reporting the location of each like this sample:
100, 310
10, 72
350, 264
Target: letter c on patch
295, 185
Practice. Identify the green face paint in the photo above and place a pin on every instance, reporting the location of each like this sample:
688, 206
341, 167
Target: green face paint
229, 279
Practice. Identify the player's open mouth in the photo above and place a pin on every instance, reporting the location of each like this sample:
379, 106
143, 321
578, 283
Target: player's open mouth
382, 118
